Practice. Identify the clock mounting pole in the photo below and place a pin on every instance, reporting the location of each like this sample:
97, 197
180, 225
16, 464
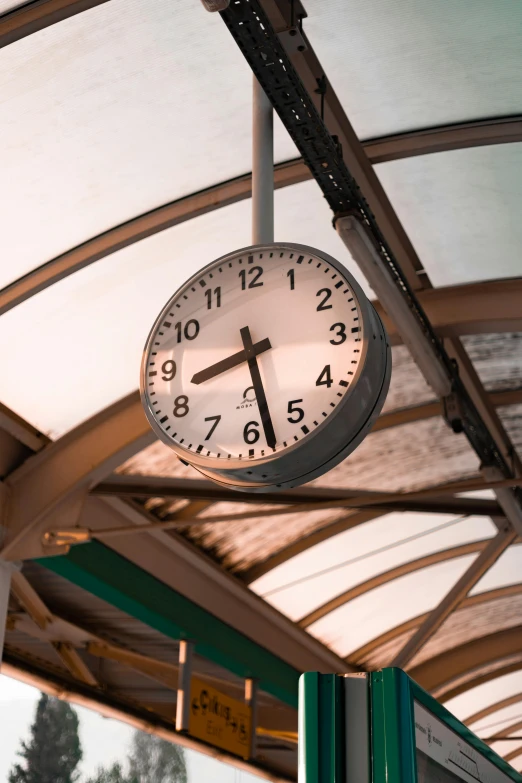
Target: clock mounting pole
262, 167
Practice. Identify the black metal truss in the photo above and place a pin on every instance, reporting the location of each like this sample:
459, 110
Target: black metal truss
264, 52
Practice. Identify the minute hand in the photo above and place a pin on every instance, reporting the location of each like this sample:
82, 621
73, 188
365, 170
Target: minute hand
258, 387
230, 362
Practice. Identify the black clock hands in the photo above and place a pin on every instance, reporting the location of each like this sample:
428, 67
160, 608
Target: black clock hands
251, 356
230, 362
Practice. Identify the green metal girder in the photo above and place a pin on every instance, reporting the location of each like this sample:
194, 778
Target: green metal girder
106, 574
321, 728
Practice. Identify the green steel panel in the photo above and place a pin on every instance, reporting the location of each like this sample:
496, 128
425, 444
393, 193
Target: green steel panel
106, 574
392, 695
321, 724
454, 723
392, 726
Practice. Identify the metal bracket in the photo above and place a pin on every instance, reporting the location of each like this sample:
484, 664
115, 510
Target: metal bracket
452, 411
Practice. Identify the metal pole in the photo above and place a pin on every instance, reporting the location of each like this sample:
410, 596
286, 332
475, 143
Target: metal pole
251, 701
6, 570
262, 167
185, 676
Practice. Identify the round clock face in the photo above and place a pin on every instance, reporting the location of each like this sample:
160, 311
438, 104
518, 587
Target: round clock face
253, 356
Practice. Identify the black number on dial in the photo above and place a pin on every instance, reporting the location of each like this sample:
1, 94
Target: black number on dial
252, 283
217, 294
190, 331
327, 294
325, 379
168, 369
291, 275
216, 420
250, 434
298, 411
181, 407
341, 334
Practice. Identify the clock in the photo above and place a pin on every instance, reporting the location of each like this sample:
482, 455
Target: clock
267, 368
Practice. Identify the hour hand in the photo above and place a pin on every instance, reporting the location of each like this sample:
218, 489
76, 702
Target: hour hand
229, 362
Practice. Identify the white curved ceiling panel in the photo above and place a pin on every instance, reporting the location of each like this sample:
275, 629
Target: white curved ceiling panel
475, 699
498, 720
416, 64
111, 113
76, 347
10, 5
506, 571
326, 570
372, 614
461, 209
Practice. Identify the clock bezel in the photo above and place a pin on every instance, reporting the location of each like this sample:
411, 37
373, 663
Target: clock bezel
258, 473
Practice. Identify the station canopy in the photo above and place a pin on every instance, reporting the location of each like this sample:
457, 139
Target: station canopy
125, 133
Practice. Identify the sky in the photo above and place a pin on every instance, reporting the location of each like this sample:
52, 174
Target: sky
104, 740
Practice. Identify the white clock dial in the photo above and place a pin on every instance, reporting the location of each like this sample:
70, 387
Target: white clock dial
304, 323
255, 356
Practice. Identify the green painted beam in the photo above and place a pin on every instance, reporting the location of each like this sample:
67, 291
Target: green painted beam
111, 577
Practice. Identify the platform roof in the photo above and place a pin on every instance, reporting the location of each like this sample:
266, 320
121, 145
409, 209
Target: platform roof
126, 159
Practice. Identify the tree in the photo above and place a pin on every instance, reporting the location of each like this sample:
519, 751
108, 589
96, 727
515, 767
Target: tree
113, 774
53, 751
151, 760
154, 760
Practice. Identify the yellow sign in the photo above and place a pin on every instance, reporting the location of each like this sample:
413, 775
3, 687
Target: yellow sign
219, 720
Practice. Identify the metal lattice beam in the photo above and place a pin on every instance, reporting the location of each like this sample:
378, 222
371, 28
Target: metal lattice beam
388, 576
482, 563
439, 674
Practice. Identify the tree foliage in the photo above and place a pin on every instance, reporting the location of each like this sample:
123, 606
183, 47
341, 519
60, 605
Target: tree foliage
53, 751
112, 774
151, 760
154, 760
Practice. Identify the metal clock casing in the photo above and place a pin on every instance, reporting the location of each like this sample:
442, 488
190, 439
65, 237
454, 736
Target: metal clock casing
335, 437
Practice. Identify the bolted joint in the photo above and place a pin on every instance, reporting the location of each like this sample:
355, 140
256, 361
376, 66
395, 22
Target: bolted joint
452, 412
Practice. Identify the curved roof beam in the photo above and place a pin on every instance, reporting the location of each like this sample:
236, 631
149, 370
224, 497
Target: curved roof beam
388, 576
360, 655
498, 669
467, 309
141, 227
392, 419
512, 755
492, 708
441, 674
430, 409
478, 133
32, 17
504, 734
65, 470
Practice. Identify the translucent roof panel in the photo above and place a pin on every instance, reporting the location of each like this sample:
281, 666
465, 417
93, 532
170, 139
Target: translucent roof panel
95, 322
406, 457
468, 623
506, 571
498, 720
407, 384
113, 112
504, 746
497, 358
319, 574
461, 209
356, 623
475, 699
10, 5
431, 63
